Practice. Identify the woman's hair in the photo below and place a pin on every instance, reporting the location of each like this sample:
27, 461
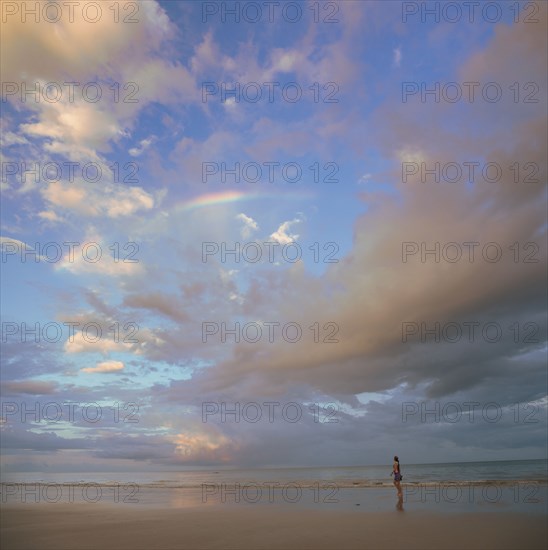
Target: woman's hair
396, 459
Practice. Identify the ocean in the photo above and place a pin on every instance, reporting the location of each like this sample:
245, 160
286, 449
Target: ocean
454, 487
343, 476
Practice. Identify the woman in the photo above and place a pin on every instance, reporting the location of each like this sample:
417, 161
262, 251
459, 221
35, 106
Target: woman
397, 478
396, 470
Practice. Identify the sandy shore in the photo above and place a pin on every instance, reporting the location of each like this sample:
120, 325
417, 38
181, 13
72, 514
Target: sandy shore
101, 526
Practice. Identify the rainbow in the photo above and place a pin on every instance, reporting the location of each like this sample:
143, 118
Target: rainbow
227, 197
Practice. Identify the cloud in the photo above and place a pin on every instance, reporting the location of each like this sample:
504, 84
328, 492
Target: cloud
9, 138
89, 343
158, 303
50, 216
397, 57
282, 235
206, 446
94, 200
76, 130
121, 63
144, 144
351, 314
365, 178
32, 387
206, 54
105, 366
15, 247
250, 225
371, 292
93, 254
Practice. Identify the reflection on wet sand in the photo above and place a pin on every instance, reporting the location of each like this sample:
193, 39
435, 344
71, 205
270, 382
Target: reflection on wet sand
399, 505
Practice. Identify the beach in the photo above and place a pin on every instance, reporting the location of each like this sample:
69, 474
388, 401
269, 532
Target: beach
289, 516
85, 526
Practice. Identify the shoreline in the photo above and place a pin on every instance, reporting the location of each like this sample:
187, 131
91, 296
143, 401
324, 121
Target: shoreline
339, 483
522, 497
525, 498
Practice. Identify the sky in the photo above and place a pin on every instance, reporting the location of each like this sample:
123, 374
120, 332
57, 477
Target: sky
290, 234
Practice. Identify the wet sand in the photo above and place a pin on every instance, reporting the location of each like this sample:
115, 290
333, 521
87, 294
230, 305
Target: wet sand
107, 526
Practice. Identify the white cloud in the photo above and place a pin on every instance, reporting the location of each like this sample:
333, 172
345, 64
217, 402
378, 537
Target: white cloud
230, 103
285, 61
249, 226
411, 154
98, 200
78, 343
9, 138
205, 446
50, 216
75, 129
124, 62
144, 144
283, 235
94, 255
105, 366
